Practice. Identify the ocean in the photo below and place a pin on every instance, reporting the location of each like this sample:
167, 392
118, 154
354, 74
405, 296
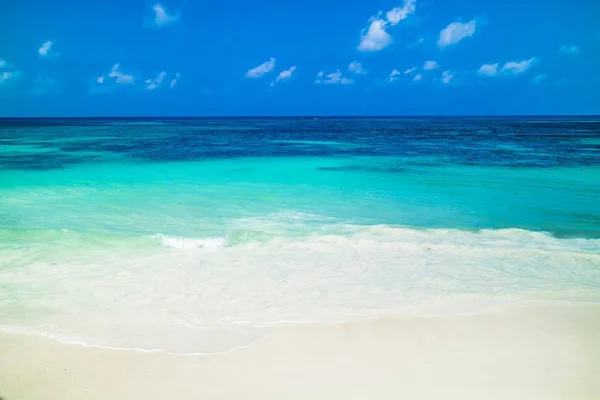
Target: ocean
198, 235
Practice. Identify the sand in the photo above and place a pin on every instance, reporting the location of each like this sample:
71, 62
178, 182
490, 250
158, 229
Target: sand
549, 351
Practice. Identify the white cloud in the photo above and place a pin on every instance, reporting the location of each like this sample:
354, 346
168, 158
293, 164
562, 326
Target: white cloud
455, 32
115, 76
447, 76
410, 71
488, 69
283, 75
569, 49
397, 14
430, 65
262, 69
508, 69
356, 67
394, 75
517, 67
44, 49
161, 16
152, 84
118, 76
332, 78
114, 70
539, 79
375, 37
174, 80
2, 63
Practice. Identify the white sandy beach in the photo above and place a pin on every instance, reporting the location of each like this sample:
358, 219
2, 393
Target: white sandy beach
545, 352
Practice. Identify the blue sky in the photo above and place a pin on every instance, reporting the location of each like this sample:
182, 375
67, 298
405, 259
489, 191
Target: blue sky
410, 57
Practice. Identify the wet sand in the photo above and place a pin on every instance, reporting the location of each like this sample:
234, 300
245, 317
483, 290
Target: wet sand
545, 352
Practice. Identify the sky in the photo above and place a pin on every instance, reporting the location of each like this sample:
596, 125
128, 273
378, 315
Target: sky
271, 58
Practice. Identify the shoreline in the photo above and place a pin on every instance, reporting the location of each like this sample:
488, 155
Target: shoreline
269, 327
549, 351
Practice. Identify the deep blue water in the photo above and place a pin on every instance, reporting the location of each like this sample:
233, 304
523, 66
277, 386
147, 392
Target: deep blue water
510, 142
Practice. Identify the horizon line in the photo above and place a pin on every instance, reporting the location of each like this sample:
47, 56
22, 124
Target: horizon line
308, 116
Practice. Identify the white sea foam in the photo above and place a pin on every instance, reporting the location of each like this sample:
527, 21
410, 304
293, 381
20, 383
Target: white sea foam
194, 301
189, 243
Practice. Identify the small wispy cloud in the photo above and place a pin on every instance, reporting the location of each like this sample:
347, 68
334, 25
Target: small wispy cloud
509, 68
416, 43
44, 49
174, 80
262, 69
375, 37
488, 69
572, 49
455, 32
517, 67
333, 78
447, 76
152, 84
5, 76
356, 67
397, 14
562, 82
115, 77
430, 65
108, 82
284, 75
120, 77
539, 79
162, 16
394, 75
8, 75
414, 71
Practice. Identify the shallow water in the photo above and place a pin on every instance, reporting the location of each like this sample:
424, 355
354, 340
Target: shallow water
194, 235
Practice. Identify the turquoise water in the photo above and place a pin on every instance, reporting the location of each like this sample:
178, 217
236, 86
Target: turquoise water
196, 235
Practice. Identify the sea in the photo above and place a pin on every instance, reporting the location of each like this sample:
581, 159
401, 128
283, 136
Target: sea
202, 235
